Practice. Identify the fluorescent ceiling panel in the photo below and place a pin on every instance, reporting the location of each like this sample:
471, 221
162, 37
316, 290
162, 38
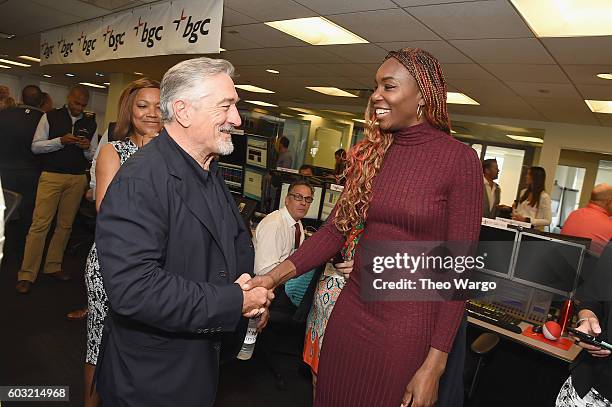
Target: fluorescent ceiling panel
92, 85
567, 18
525, 138
331, 91
256, 89
274, 71
460, 99
600, 106
316, 31
604, 75
29, 58
260, 103
9, 62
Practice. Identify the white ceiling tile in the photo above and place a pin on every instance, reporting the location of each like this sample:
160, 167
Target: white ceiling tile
235, 41
349, 70
73, 7
581, 51
586, 74
31, 19
545, 90
292, 70
310, 55
409, 3
359, 53
605, 119
505, 51
263, 35
595, 92
256, 57
370, 25
443, 51
270, 10
232, 17
477, 19
527, 73
326, 7
465, 71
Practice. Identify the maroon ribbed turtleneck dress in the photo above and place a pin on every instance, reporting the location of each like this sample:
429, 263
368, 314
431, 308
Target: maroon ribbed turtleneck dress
429, 189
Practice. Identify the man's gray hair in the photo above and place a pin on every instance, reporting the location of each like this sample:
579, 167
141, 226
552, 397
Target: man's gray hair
183, 81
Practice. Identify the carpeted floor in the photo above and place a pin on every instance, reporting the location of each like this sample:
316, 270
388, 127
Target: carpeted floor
38, 346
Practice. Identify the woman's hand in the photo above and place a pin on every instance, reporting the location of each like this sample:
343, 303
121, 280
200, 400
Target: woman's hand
422, 390
344, 268
519, 217
590, 326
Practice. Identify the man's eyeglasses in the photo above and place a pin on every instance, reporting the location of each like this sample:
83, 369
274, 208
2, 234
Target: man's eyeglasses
300, 198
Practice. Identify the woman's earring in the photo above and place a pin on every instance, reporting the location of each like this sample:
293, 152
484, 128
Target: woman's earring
419, 112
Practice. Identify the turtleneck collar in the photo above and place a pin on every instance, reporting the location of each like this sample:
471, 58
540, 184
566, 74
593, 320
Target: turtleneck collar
417, 134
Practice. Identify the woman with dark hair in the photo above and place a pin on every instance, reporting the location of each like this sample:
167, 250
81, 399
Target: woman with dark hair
408, 180
138, 122
534, 203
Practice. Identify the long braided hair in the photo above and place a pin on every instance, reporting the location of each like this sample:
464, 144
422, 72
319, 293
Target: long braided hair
365, 159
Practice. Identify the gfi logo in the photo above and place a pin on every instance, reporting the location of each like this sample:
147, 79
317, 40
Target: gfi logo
113, 40
192, 28
149, 35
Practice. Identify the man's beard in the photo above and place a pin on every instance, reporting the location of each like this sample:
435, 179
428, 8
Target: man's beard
225, 147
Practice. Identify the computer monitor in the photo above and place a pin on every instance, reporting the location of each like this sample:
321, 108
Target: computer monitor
315, 206
253, 183
547, 263
497, 245
246, 207
238, 156
232, 174
257, 151
329, 202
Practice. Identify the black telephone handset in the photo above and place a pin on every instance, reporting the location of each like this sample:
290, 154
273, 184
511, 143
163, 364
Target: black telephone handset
590, 339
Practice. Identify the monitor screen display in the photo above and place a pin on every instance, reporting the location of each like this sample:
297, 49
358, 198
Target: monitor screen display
257, 151
232, 174
313, 211
252, 183
496, 245
238, 156
329, 201
549, 264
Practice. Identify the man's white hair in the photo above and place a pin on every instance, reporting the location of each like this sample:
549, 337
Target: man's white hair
184, 80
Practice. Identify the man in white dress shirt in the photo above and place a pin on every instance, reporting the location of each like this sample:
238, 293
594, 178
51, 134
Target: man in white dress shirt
281, 232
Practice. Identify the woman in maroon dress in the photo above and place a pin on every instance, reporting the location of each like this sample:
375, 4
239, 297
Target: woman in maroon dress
408, 180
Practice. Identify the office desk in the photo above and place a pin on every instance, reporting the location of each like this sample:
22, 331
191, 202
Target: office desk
565, 355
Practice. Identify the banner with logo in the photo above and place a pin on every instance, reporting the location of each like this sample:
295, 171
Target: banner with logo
176, 27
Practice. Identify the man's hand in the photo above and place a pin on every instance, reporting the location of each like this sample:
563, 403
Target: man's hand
83, 143
260, 281
255, 300
422, 391
69, 139
263, 320
344, 268
590, 326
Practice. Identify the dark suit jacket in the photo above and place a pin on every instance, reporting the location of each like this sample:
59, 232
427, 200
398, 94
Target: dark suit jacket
169, 281
486, 212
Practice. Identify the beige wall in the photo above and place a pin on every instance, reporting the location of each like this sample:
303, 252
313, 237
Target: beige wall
588, 161
346, 127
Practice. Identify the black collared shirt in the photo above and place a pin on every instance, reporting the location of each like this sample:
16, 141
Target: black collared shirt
212, 188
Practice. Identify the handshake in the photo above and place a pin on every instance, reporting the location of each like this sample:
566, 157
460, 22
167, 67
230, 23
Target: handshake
258, 293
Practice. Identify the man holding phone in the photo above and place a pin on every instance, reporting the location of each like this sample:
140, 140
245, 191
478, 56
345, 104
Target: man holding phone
590, 380
65, 143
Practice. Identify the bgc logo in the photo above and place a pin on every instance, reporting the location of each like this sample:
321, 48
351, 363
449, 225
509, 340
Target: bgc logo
192, 28
113, 40
46, 50
149, 34
86, 45
65, 47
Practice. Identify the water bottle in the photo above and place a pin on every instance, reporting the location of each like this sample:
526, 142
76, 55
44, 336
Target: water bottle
249, 340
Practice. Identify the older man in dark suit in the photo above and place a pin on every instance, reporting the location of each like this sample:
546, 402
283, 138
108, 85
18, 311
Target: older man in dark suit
171, 245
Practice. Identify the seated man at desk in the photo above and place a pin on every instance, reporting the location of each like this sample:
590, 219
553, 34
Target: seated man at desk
281, 232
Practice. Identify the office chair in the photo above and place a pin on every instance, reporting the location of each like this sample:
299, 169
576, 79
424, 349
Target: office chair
12, 200
482, 346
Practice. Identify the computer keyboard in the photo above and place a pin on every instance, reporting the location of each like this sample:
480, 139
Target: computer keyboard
488, 313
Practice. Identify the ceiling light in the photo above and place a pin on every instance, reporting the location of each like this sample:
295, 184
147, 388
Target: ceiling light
460, 99
138, 73
222, 49
525, 138
251, 88
359, 120
274, 71
29, 58
604, 75
47, 75
310, 116
5, 66
316, 31
260, 103
9, 62
92, 85
299, 109
107, 83
70, 74
100, 74
338, 112
6, 36
567, 18
600, 106
285, 115
331, 91
453, 131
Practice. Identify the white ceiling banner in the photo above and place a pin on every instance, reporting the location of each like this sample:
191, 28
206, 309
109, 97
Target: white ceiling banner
177, 27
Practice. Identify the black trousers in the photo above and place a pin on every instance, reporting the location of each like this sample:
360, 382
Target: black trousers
25, 183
